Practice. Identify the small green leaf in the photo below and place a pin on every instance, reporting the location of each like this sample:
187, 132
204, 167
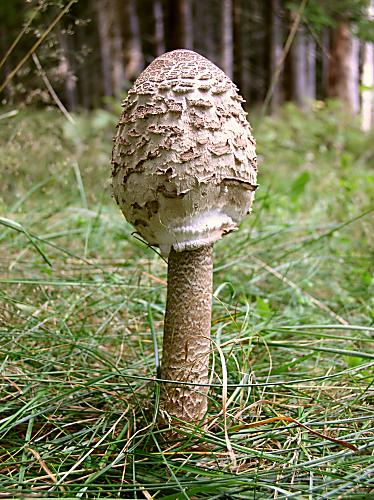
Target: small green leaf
298, 185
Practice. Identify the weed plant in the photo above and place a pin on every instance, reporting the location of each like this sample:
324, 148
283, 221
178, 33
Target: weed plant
82, 303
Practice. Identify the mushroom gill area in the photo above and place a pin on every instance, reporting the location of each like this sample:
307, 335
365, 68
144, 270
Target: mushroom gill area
184, 163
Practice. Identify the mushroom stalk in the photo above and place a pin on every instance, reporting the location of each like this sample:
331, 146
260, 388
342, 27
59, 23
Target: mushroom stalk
186, 344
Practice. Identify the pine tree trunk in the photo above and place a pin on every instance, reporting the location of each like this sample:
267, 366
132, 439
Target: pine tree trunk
298, 60
275, 56
4, 45
103, 19
226, 38
311, 69
255, 53
367, 80
87, 94
343, 67
118, 69
159, 30
354, 80
325, 63
205, 21
245, 60
133, 44
66, 70
237, 41
180, 24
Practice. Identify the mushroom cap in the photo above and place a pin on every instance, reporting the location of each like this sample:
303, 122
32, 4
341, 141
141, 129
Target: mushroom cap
184, 161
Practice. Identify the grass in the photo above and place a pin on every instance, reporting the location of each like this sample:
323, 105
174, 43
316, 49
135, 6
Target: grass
82, 302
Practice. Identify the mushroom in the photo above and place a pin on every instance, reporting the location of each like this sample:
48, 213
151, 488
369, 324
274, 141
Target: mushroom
184, 174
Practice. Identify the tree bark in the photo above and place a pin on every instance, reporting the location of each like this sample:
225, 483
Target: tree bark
66, 70
103, 11
226, 38
367, 80
276, 48
237, 41
205, 19
118, 69
133, 53
354, 80
4, 44
299, 84
325, 63
180, 24
159, 31
311, 69
343, 66
87, 91
254, 52
186, 344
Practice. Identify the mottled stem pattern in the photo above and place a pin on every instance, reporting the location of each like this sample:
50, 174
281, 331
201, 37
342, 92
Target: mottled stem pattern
186, 344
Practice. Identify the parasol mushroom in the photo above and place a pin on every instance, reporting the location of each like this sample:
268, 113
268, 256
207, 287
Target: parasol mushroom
184, 174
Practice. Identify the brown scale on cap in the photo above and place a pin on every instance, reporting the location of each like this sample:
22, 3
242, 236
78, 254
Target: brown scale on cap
184, 174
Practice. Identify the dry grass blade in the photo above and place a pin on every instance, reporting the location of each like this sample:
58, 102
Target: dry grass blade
224, 407
288, 282
51, 90
44, 466
284, 418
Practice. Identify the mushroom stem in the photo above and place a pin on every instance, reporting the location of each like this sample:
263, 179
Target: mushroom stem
186, 344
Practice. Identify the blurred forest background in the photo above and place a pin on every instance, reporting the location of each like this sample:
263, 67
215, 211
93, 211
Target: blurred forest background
80, 53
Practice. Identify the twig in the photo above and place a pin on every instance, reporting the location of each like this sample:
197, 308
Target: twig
287, 46
284, 418
51, 90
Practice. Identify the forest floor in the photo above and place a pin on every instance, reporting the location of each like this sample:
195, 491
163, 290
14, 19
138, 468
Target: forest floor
82, 301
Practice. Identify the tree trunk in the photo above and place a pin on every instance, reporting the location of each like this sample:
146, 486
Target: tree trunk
245, 63
325, 63
311, 68
186, 344
367, 112
159, 31
226, 38
118, 69
298, 60
103, 18
276, 48
66, 70
4, 45
354, 80
180, 24
133, 53
237, 40
255, 53
87, 93
343, 66
205, 20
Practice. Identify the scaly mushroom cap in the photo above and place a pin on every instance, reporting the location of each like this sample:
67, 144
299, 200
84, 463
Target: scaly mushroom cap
184, 160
